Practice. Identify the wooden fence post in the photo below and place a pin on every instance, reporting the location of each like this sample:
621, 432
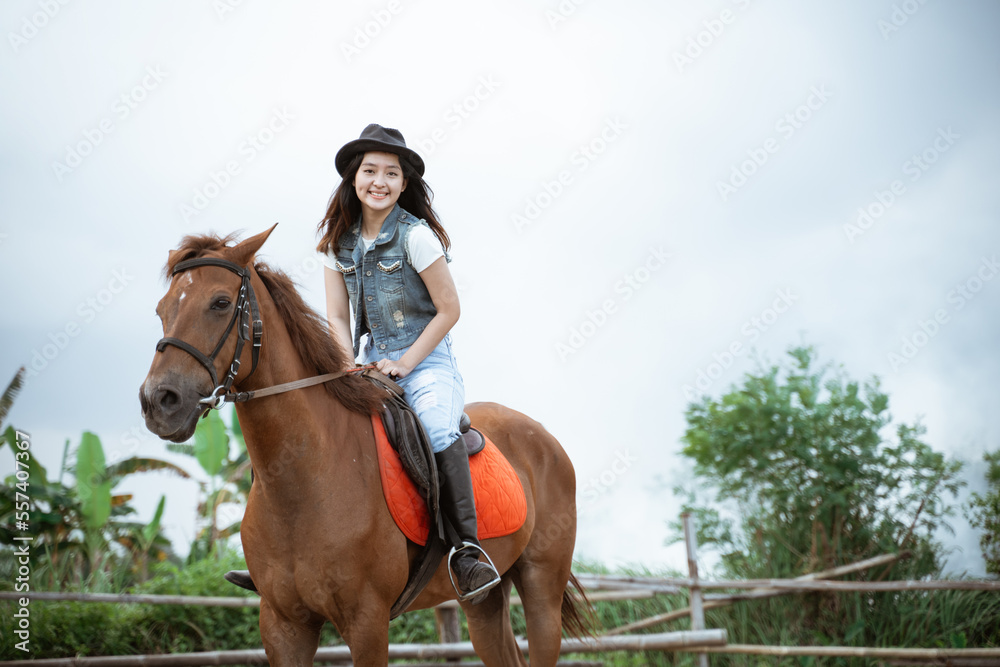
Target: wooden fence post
448, 626
697, 609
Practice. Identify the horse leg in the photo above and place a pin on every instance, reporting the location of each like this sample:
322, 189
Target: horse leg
365, 629
370, 648
289, 642
490, 630
541, 590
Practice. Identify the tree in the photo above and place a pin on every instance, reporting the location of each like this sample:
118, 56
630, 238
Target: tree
80, 530
983, 512
229, 478
819, 475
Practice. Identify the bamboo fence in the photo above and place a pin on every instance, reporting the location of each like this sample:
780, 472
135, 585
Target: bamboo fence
654, 642
599, 587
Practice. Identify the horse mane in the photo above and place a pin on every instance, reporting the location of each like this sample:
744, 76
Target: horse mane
309, 332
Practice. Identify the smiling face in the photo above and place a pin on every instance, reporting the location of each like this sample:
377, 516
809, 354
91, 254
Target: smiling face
379, 182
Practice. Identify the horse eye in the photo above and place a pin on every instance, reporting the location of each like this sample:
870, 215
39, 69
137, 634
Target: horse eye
220, 304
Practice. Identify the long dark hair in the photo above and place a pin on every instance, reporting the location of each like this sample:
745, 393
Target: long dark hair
345, 207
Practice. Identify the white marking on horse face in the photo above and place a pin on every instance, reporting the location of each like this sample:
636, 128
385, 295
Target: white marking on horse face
189, 281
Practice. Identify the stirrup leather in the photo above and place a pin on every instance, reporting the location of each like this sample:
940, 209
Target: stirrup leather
451, 574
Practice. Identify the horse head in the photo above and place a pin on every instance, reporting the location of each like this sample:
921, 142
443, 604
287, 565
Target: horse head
206, 318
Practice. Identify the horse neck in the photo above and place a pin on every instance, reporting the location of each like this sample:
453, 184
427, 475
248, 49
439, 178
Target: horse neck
304, 432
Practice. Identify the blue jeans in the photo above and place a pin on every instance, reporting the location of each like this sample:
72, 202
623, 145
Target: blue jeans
434, 389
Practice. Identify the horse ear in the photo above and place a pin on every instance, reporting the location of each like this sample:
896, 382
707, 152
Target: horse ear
173, 257
243, 252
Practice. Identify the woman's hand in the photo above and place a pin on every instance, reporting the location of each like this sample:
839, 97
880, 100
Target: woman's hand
393, 368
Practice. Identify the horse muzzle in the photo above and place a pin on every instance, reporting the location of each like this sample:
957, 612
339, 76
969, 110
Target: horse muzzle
171, 410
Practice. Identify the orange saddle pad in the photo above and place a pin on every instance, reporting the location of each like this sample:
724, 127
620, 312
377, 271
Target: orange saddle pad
501, 507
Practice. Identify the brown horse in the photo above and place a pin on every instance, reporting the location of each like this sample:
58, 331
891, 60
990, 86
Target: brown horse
318, 538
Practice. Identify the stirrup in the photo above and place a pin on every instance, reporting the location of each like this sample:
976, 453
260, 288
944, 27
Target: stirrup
462, 597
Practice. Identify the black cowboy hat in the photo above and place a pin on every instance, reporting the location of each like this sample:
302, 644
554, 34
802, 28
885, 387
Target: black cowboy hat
378, 138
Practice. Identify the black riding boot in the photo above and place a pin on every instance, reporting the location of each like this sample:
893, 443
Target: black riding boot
459, 506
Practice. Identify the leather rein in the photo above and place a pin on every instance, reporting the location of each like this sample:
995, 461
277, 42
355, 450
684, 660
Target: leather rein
250, 328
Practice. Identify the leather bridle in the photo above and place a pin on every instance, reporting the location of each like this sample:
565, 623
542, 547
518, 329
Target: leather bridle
246, 317
250, 328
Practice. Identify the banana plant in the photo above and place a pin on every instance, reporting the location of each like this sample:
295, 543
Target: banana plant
92, 484
228, 469
9, 394
94, 491
76, 525
146, 537
9, 435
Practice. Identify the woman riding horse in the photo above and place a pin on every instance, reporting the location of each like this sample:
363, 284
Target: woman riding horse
387, 261
318, 536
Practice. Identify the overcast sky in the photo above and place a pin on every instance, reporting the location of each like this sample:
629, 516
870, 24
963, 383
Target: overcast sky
633, 189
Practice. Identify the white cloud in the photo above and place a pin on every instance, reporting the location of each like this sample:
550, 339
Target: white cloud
654, 185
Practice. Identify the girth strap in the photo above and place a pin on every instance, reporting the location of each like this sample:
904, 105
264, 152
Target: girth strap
250, 329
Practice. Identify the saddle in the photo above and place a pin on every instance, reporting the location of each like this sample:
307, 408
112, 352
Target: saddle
399, 430
405, 433
408, 438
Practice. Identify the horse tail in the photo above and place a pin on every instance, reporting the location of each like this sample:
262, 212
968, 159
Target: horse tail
578, 616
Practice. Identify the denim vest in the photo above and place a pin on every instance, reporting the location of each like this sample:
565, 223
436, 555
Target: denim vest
391, 294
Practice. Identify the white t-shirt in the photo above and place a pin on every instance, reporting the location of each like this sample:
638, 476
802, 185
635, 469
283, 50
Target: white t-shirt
423, 248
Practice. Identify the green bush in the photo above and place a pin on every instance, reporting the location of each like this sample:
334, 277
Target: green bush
910, 619
983, 512
183, 629
63, 629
